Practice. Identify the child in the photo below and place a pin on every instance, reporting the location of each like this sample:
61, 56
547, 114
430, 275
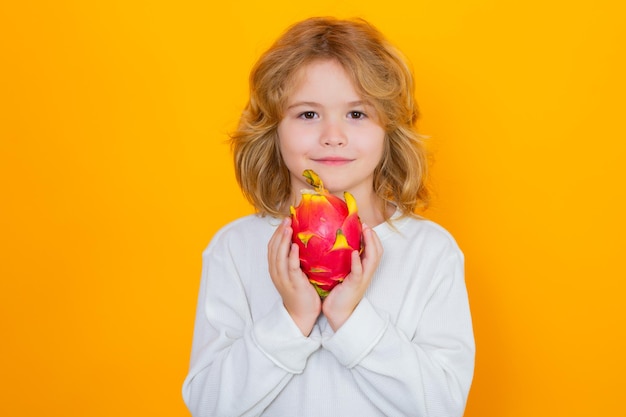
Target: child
395, 338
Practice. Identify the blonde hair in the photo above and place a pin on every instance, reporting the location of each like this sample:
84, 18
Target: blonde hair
379, 73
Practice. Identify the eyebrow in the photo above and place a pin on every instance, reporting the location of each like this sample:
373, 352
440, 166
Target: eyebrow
315, 104
304, 103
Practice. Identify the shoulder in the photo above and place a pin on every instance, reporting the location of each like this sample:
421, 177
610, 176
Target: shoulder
420, 233
245, 231
433, 230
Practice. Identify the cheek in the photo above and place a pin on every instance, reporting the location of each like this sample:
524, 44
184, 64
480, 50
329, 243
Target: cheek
376, 143
285, 142
292, 138
292, 147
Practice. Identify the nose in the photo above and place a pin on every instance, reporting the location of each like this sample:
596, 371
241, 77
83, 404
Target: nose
333, 134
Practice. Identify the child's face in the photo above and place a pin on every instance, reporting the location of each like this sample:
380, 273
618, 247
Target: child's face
328, 128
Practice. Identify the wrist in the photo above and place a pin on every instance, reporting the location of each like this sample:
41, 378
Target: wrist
337, 318
304, 321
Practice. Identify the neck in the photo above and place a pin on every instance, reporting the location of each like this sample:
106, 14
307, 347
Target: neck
371, 211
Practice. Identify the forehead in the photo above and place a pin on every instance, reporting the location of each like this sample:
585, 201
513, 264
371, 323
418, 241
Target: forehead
321, 78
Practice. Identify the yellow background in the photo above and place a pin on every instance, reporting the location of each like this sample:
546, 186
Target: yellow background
114, 176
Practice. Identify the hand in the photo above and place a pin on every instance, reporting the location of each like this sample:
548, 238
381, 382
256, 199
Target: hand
343, 299
299, 296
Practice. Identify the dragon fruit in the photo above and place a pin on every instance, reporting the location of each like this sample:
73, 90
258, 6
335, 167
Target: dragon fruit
327, 230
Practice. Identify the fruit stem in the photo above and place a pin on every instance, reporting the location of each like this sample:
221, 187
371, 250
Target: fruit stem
313, 179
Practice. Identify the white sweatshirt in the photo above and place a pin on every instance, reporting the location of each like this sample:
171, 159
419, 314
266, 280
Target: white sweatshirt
407, 349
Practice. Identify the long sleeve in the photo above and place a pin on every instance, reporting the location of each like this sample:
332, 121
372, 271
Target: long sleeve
426, 372
239, 365
407, 350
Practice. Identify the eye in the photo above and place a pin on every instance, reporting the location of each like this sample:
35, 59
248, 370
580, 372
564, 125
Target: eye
308, 115
357, 115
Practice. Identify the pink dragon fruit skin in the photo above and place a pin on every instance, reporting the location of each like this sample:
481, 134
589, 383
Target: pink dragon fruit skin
327, 230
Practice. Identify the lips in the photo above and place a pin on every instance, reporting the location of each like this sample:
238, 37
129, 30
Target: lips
333, 160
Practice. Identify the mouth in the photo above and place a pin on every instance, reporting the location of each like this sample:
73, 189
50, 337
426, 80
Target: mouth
333, 160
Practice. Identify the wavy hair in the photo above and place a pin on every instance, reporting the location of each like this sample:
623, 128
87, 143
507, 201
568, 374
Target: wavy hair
381, 75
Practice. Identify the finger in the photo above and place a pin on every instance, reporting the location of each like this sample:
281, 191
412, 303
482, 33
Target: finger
372, 253
376, 239
373, 245
277, 252
281, 236
294, 259
284, 244
274, 241
356, 265
296, 275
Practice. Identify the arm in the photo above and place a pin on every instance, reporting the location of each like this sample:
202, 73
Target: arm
238, 365
427, 373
